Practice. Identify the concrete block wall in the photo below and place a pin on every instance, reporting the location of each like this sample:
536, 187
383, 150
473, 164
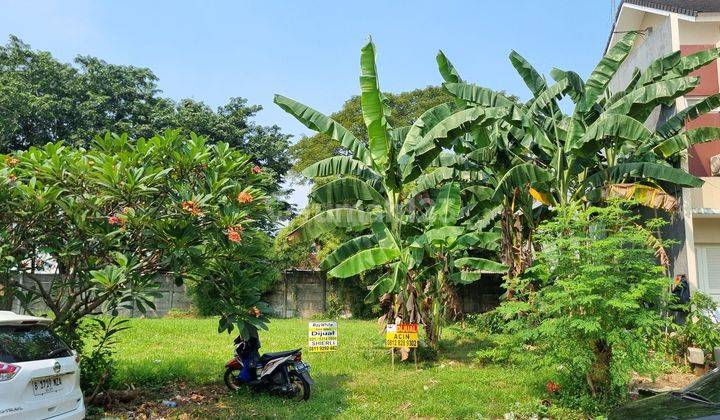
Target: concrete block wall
172, 298
298, 293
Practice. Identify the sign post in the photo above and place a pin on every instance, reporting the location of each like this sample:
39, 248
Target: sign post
401, 335
322, 336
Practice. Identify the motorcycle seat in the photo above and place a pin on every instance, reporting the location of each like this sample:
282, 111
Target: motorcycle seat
269, 356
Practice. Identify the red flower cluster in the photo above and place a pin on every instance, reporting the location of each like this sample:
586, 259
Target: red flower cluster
256, 169
244, 197
114, 220
192, 208
234, 233
552, 387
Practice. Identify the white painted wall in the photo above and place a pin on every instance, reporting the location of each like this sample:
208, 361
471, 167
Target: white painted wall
647, 48
698, 33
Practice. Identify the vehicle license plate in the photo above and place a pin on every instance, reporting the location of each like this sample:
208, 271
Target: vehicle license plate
47, 385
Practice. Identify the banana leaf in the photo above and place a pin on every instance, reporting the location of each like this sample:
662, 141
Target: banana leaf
340, 165
448, 159
328, 220
447, 205
447, 70
373, 108
430, 180
443, 133
487, 218
534, 81
383, 235
605, 70
465, 277
317, 121
483, 240
347, 249
684, 140
393, 178
478, 95
576, 84
520, 176
420, 127
440, 235
646, 195
384, 285
547, 97
640, 102
481, 264
610, 126
659, 69
642, 170
697, 60
677, 122
346, 191
363, 261
479, 192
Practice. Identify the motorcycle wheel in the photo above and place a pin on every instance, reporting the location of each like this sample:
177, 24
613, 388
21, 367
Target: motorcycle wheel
303, 388
230, 379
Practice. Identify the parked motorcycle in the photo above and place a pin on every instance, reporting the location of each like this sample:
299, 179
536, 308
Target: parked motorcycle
282, 373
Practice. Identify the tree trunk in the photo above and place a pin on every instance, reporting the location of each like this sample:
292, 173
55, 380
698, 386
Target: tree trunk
6, 295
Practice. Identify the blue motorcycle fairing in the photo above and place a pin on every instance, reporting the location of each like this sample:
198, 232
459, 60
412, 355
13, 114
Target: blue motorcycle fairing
246, 374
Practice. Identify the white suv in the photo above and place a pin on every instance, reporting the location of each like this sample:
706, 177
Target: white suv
39, 374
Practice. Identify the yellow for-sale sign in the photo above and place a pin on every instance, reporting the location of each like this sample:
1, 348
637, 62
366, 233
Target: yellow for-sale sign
322, 336
401, 335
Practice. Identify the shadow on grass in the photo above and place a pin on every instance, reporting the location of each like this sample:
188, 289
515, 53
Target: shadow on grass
462, 345
328, 398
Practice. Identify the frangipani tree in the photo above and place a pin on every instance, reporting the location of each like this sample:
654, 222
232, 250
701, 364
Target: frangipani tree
116, 216
391, 190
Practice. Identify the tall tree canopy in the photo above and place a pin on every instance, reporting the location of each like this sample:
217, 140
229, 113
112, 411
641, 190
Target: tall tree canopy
43, 100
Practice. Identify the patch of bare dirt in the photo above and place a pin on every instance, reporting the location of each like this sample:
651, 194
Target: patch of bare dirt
665, 382
168, 402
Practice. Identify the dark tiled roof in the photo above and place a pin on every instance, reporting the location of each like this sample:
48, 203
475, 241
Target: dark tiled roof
685, 7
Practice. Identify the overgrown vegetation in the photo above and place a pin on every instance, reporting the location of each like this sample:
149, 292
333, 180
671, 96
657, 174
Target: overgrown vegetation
406, 206
589, 303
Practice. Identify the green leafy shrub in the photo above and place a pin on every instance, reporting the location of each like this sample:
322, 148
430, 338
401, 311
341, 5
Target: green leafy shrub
594, 295
700, 328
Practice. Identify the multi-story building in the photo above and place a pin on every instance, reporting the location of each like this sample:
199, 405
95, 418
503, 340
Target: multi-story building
688, 26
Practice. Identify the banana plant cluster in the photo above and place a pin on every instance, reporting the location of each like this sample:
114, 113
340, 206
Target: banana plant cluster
435, 202
543, 158
406, 197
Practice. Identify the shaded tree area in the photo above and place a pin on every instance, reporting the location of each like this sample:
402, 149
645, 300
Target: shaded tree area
44, 100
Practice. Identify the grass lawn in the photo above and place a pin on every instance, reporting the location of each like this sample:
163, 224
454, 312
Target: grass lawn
354, 382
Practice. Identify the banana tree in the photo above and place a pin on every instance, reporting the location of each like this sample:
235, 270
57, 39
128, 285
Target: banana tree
384, 189
452, 243
602, 149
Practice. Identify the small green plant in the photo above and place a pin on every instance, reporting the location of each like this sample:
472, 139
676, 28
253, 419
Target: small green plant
334, 306
98, 337
700, 328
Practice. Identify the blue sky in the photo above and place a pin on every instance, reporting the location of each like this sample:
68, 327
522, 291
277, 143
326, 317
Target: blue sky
309, 50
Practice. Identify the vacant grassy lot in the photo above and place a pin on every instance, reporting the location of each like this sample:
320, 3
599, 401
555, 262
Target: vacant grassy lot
354, 382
